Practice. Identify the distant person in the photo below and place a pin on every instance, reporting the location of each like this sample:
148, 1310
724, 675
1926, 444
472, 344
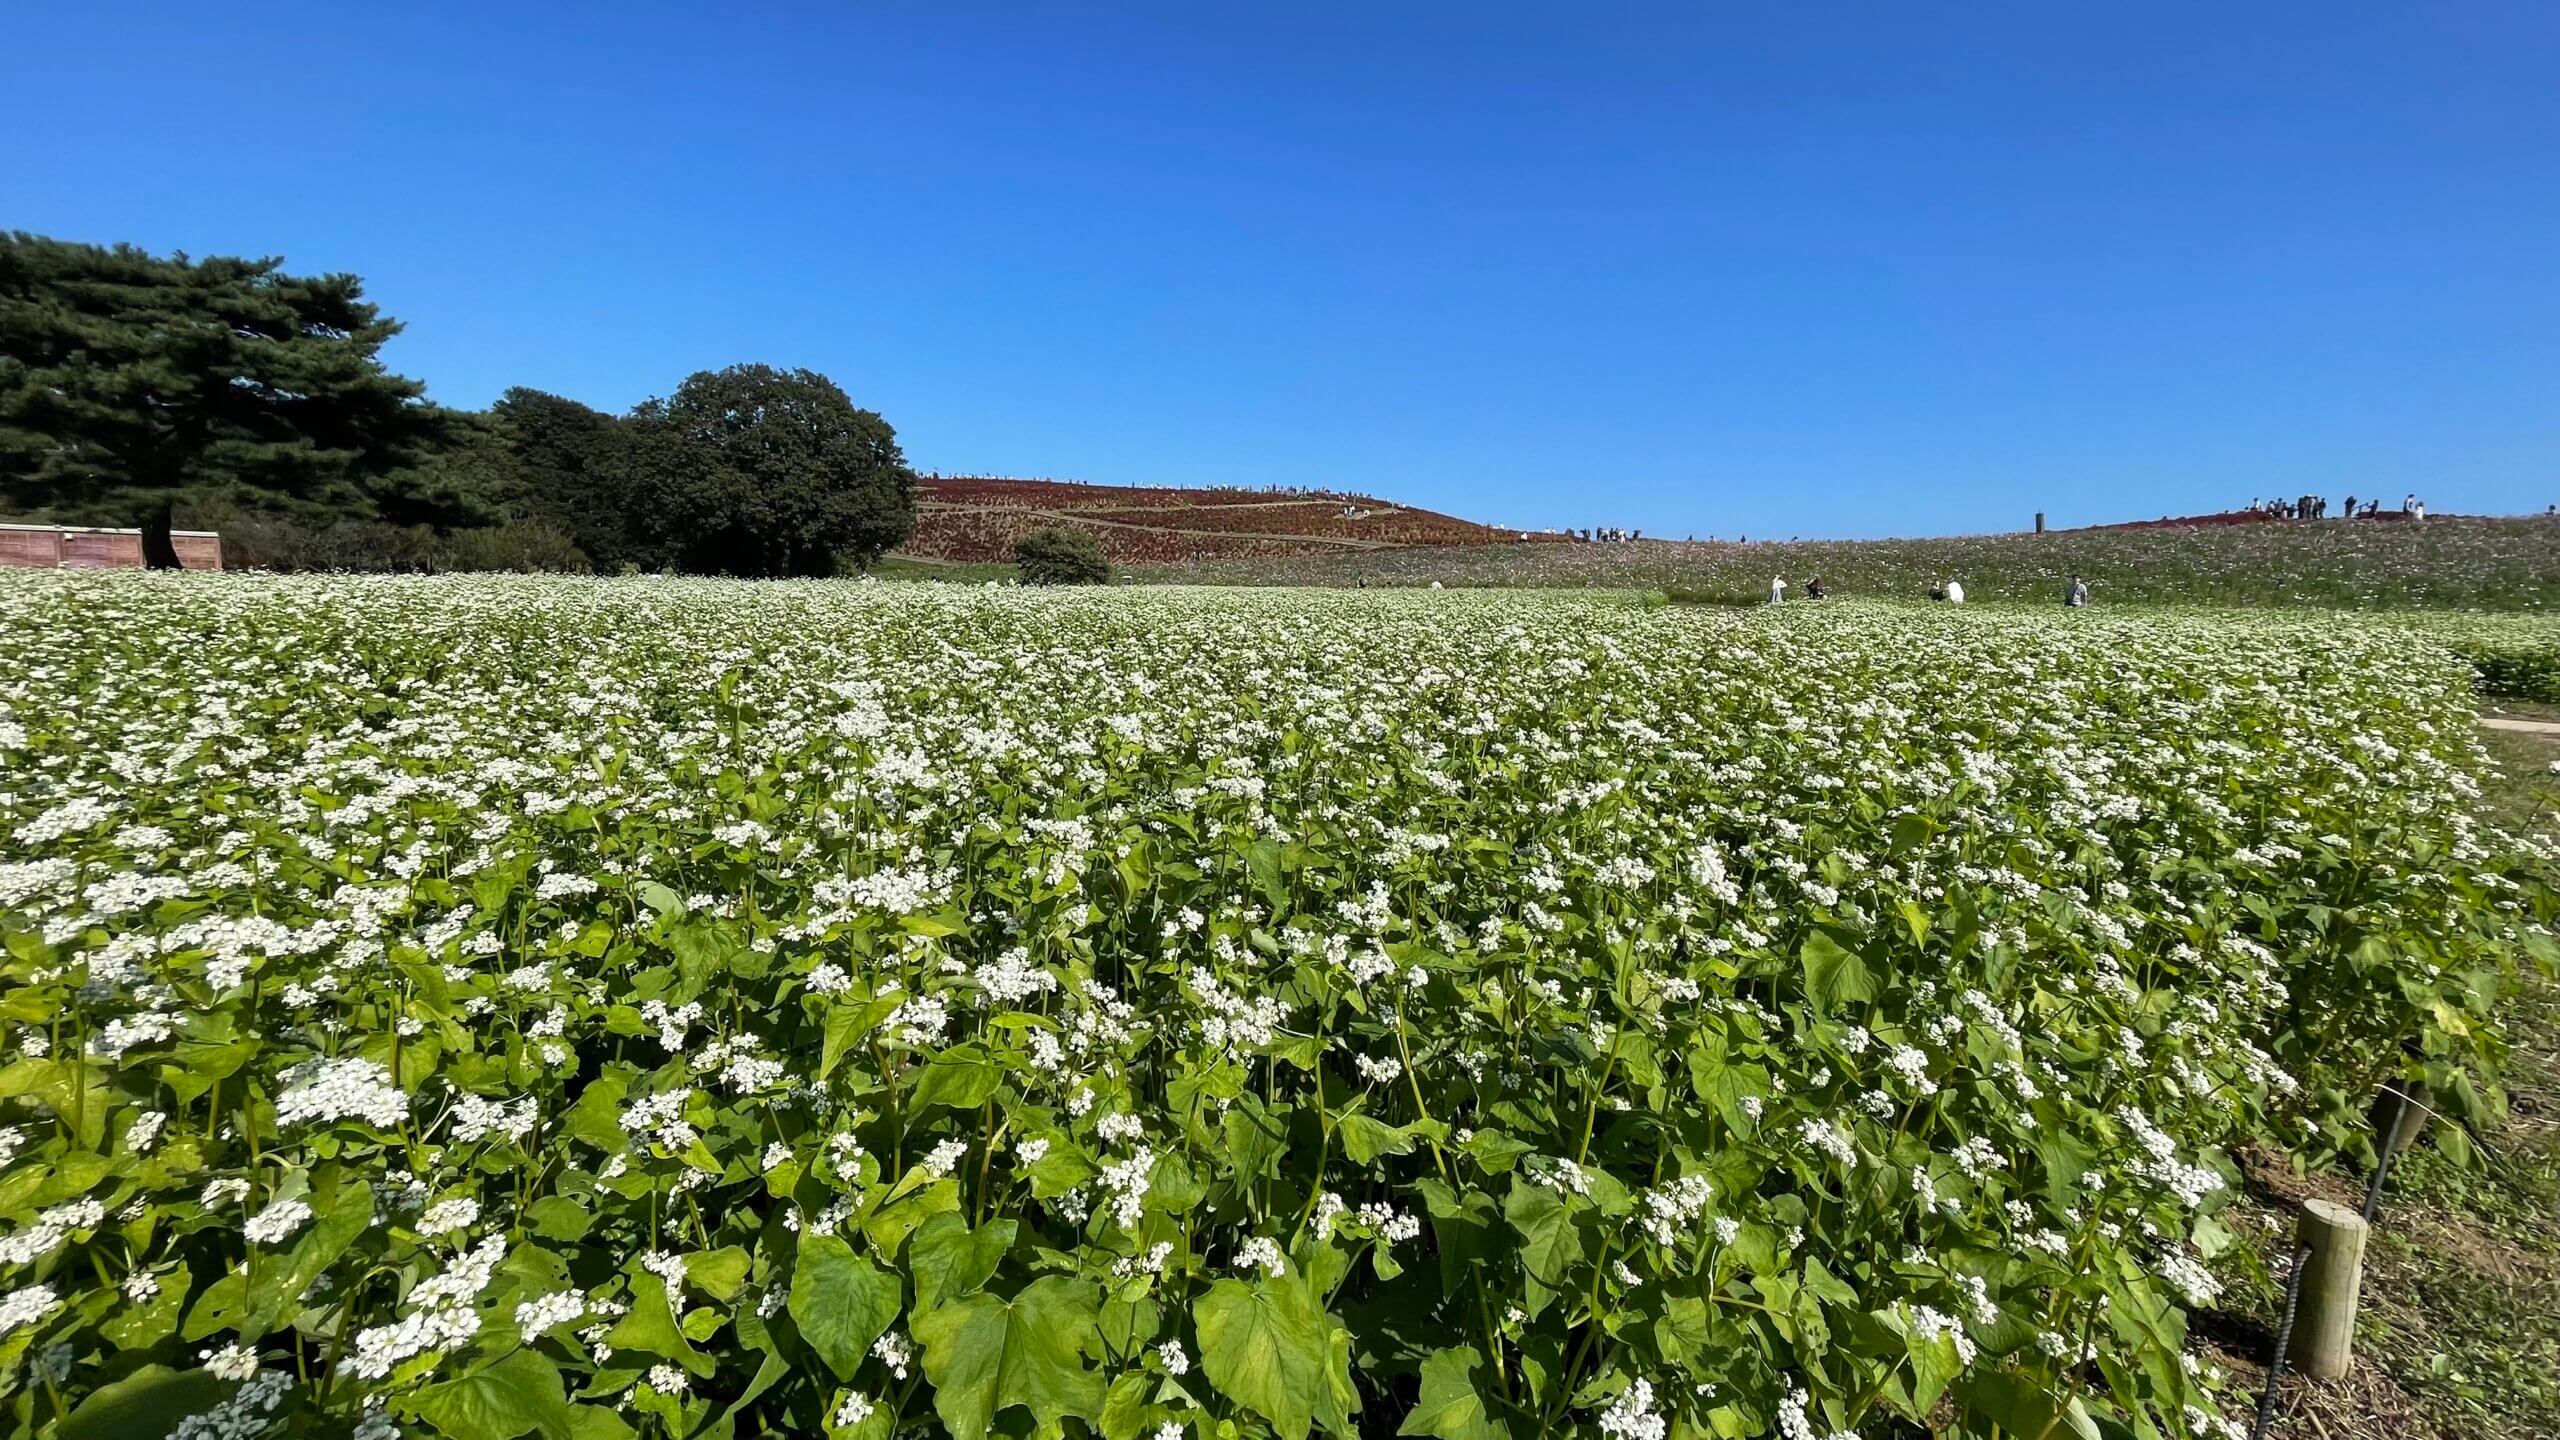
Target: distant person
1813, 589
1937, 592
2351, 507
2078, 594
1955, 592
1777, 589
2417, 511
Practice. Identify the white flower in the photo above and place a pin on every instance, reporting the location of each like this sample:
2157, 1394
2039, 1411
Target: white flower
668, 1380
1263, 1254
449, 1215
341, 1089
24, 1306
1175, 1362
548, 1312
231, 1362
276, 1224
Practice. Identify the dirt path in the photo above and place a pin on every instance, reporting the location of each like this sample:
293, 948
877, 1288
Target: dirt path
2527, 727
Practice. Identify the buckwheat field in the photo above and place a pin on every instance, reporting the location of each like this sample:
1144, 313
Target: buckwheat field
489, 1007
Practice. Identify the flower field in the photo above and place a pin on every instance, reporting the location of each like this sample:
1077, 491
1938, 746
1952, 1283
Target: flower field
491, 1007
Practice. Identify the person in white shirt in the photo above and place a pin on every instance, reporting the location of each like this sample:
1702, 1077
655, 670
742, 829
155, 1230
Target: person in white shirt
1777, 589
1955, 592
2418, 510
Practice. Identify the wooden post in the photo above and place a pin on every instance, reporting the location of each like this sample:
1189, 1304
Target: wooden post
2039, 522
2324, 1329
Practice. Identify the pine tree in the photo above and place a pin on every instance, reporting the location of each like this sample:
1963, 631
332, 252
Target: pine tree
130, 384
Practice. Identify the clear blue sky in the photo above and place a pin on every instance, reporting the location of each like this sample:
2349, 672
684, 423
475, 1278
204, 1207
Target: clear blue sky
1769, 269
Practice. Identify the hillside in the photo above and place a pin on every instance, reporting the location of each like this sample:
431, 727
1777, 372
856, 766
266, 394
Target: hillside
976, 520
2450, 563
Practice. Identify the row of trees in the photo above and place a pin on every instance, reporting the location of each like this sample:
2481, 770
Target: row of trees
224, 393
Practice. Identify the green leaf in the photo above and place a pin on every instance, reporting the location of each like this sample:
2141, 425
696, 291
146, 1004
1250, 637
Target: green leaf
1450, 1407
280, 1288
2021, 1406
139, 1327
147, 1402
1124, 1408
986, 1355
717, 1273
1833, 976
1365, 1139
1934, 1364
961, 1077
842, 1301
596, 1116
889, 1227
519, 1393
1550, 1244
556, 1217
948, 1260
650, 1327
1268, 1346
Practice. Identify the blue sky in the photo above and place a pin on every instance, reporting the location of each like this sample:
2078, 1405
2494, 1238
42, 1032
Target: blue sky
1725, 269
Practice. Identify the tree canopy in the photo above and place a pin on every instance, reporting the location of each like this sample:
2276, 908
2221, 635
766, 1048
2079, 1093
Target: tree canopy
759, 471
135, 387
131, 382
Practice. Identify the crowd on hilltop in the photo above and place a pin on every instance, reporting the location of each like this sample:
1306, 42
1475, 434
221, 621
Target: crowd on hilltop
2316, 507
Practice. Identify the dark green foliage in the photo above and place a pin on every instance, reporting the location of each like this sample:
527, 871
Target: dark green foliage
130, 383
758, 471
575, 473
136, 388
1061, 557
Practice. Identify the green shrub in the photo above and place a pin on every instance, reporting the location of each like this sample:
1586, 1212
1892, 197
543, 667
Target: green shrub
1061, 557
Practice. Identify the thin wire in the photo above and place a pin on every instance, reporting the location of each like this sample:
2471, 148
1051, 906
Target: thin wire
2302, 1256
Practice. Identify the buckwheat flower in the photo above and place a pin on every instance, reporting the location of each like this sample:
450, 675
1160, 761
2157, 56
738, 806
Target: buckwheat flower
829, 980
446, 1216
1030, 1152
248, 1411
854, 1410
141, 1287
231, 1362
669, 1268
1378, 1070
2189, 1279
668, 1380
1727, 1228
1175, 1362
1827, 1137
476, 1117
226, 1191
1261, 1253
276, 1224
548, 1312
1630, 1416
943, 1158
1169, 1430
894, 1351
24, 1306
342, 1089
145, 1131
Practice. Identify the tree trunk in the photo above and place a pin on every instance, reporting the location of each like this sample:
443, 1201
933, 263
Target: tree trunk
158, 550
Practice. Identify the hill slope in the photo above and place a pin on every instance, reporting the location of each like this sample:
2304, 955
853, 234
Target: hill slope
970, 519
2486, 564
